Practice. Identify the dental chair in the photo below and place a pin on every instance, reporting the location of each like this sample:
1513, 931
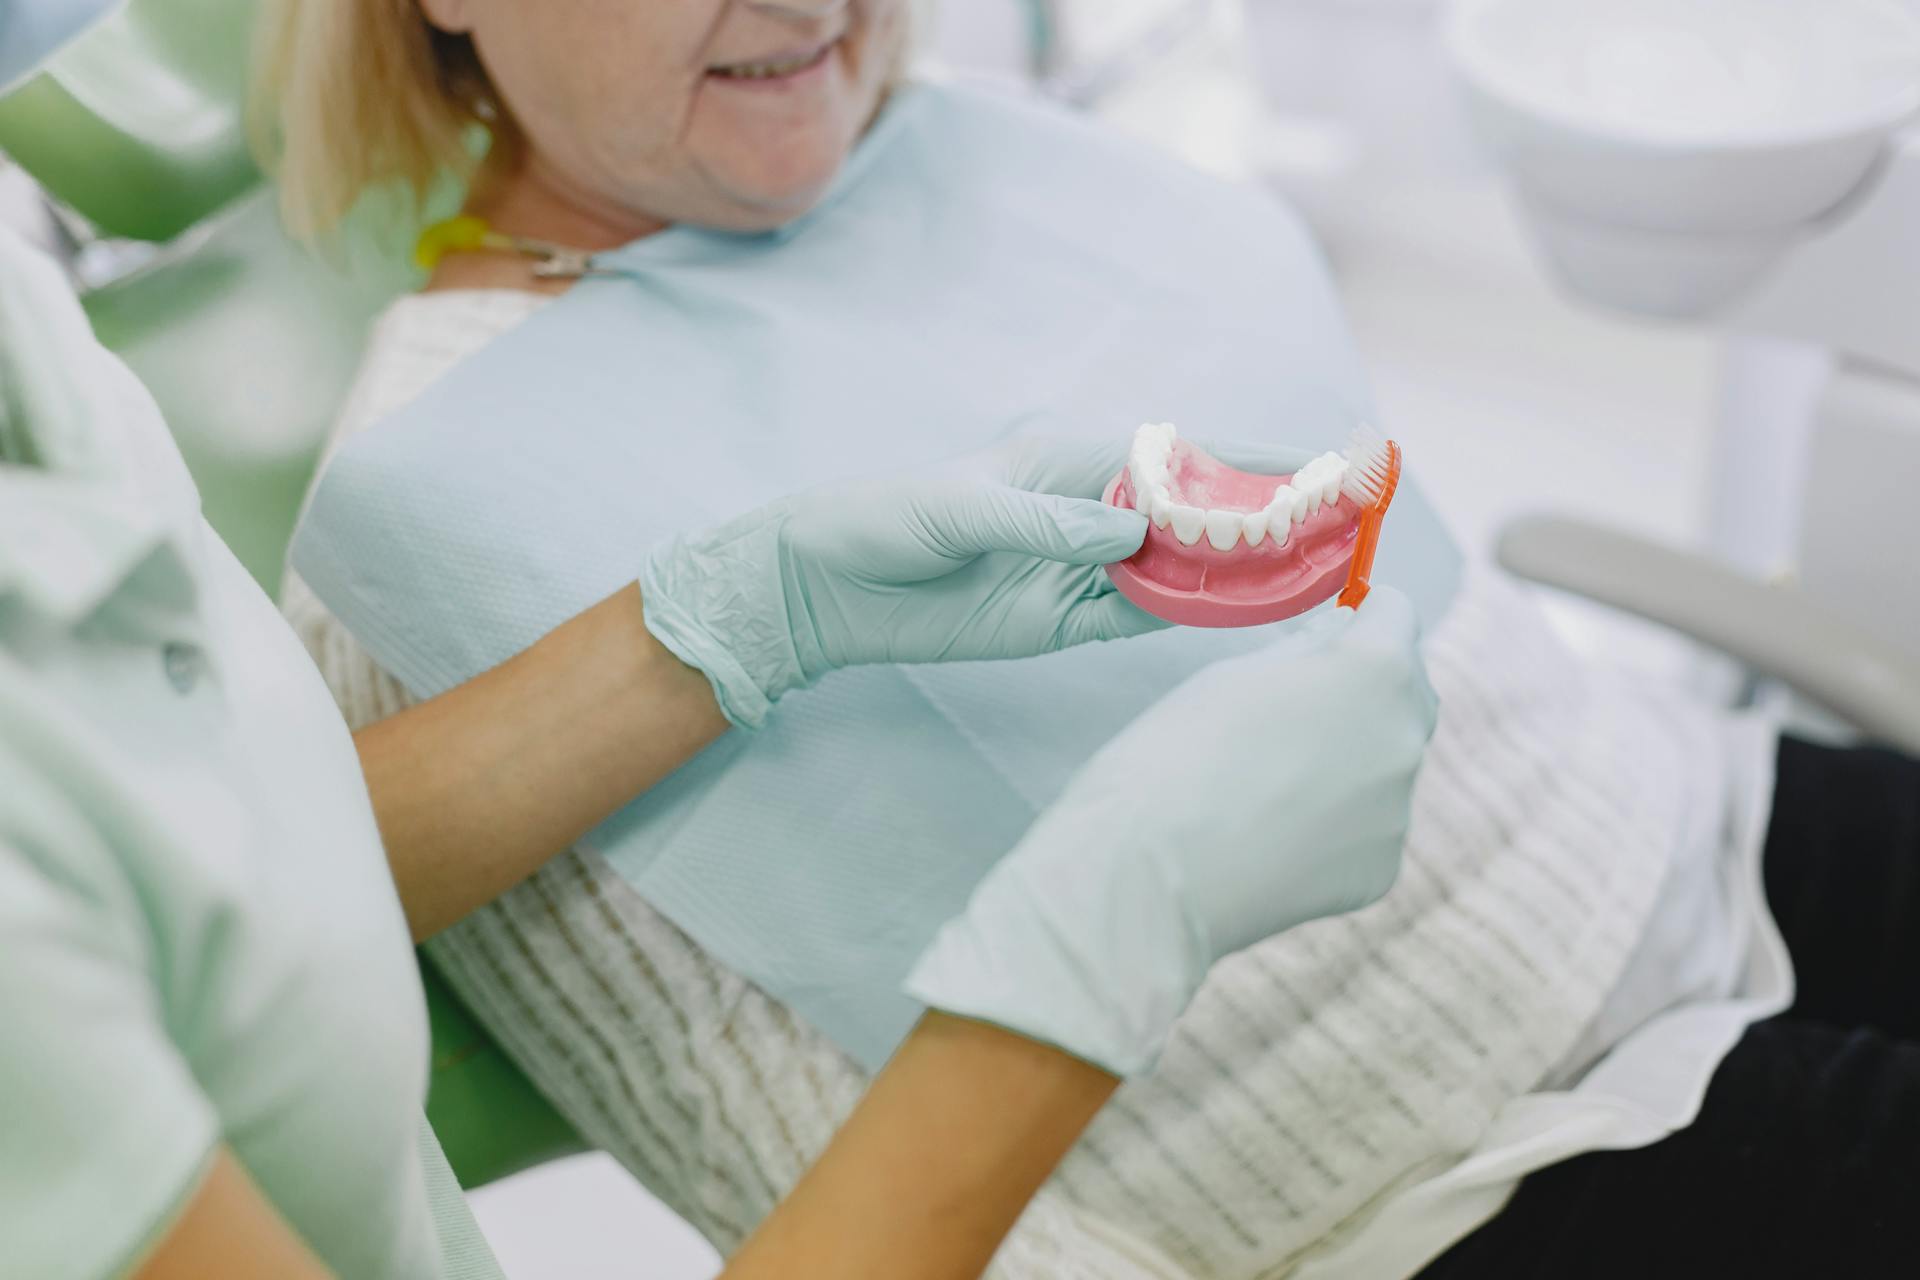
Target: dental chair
248, 345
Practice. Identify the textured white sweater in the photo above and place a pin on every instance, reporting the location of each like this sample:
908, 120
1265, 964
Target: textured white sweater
1344, 1100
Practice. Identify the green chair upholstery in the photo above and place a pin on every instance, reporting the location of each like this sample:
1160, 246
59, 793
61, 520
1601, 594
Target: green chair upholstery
490, 1119
248, 344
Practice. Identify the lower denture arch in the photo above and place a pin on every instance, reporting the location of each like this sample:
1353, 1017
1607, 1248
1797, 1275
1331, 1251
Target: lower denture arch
1235, 546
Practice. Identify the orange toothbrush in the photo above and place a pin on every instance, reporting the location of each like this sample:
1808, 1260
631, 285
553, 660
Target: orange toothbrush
1373, 473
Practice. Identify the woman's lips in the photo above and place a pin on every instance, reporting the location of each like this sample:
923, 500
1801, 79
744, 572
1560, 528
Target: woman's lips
779, 70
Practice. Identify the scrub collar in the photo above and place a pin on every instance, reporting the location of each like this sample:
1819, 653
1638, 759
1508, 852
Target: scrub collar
91, 486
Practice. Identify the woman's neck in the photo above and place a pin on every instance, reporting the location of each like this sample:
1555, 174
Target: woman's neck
530, 200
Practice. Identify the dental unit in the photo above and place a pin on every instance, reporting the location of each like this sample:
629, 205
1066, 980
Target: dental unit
1231, 548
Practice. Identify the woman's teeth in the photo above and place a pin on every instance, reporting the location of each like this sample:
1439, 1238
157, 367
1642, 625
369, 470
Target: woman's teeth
1149, 462
770, 70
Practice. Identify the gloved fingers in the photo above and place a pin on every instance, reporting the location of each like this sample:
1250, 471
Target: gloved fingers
977, 519
1386, 631
1110, 616
1384, 622
1071, 468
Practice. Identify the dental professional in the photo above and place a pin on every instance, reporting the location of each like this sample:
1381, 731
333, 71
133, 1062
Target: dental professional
215, 1047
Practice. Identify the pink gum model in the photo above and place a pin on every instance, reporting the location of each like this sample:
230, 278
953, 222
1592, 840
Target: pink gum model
1202, 586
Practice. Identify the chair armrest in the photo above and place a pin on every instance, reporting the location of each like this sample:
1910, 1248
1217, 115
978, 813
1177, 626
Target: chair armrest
1777, 631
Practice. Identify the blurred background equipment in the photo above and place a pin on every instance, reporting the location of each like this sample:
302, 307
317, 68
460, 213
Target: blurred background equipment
1752, 165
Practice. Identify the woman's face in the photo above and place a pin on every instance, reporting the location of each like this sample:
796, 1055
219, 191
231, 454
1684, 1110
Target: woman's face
726, 113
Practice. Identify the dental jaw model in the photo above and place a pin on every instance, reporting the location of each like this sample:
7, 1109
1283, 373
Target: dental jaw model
1230, 548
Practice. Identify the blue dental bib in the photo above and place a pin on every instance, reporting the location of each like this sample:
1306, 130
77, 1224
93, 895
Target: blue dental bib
982, 268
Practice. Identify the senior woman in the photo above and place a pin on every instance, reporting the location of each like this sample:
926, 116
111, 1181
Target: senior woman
1580, 940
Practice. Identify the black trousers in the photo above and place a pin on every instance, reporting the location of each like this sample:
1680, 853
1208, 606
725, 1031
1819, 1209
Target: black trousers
1805, 1159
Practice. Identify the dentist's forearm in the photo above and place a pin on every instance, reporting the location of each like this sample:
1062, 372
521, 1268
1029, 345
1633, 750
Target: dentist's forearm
935, 1165
474, 790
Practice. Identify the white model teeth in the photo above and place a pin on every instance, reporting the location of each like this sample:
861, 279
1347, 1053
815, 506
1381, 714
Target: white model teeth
1187, 523
1282, 510
766, 70
1149, 462
1223, 529
1315, 485
1151, 456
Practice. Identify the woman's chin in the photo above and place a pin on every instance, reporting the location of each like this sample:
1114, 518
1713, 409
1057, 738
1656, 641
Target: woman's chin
766, 206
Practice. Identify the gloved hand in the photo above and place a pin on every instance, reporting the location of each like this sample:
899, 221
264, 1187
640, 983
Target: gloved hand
1267, 790
995, 556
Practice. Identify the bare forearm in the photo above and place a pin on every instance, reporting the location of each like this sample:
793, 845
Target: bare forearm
229, 1228
476, 788
935, 1165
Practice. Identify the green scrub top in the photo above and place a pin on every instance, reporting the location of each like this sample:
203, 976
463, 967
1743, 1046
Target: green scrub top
199, 937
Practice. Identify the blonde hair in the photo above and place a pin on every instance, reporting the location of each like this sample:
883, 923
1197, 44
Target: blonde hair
350, 96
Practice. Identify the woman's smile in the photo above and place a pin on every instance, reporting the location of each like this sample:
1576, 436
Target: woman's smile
629, 115
786, 70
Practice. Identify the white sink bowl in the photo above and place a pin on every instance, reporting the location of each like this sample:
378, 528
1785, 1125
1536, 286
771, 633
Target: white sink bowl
1668, 152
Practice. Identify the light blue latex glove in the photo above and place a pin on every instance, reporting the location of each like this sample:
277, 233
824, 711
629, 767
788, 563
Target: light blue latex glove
1267, 790
994, 556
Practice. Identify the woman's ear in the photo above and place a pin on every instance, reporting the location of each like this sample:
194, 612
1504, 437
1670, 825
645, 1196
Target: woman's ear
451, 16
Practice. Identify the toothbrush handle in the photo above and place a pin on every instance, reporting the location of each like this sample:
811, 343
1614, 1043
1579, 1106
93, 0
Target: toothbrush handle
1360, 575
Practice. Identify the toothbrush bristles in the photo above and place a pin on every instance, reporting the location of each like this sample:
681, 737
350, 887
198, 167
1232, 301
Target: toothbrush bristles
1369, 462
